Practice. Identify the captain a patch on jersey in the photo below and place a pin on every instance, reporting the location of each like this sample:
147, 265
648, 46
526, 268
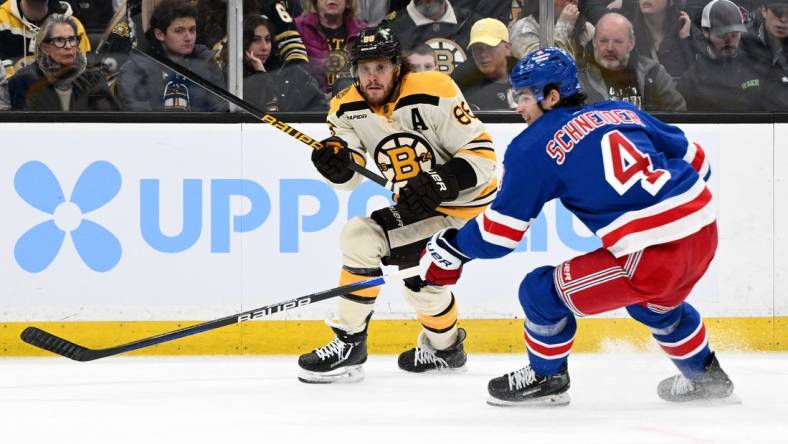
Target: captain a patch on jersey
401, 156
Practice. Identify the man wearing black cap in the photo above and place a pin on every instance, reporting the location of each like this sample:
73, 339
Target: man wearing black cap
724, 78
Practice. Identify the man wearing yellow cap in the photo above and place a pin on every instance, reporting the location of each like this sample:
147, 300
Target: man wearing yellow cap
484, 80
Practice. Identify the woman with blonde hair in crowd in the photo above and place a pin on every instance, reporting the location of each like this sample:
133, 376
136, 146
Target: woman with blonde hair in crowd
328, 28
60, 79
572, 31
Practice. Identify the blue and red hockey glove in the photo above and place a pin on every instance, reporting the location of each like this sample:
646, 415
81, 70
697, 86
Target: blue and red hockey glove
441, 262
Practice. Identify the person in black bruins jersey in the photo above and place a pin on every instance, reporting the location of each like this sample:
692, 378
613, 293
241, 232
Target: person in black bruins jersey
422, 136
445, 28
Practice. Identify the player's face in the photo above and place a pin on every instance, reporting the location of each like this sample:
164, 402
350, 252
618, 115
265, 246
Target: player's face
261, 44
527, 106
376, 77
776, 20
180, 36
725, 45
421, 62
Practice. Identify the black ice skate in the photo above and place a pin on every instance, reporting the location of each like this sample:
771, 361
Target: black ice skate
526, 388
424, 358
714, 384
339, 361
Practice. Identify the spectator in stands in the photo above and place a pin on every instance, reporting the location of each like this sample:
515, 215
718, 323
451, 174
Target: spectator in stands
593, 10
94, 14
500, 10
421, 58
444, 28
144, 85
5, 101
60, 80
212, 26
484, 80
666, 34
373, 11
288, 87
571, 33
19, 22
770, 43
615, 71
329, 28
724, 78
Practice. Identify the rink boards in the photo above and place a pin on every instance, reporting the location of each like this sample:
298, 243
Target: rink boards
194, 222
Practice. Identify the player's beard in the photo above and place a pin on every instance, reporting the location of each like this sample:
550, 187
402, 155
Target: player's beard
382, 100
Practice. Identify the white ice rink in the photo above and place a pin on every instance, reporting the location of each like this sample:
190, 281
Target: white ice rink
259, 400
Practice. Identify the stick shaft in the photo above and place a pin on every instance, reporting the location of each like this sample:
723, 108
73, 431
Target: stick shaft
47, 341
262, 116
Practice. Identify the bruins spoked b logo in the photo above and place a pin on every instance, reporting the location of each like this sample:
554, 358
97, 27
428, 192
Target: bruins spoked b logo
448, 54
400, 156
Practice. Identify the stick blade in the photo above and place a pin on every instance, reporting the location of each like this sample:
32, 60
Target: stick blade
47, 341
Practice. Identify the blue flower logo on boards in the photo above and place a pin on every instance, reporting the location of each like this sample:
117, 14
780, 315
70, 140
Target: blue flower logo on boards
97, 185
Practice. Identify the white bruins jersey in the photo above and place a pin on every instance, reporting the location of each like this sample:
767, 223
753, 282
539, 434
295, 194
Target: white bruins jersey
427, 124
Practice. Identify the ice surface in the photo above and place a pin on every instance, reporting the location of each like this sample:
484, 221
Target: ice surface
258, 399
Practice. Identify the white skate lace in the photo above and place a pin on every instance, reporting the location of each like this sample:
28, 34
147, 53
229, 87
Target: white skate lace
335, 347
426, 356
681, 386
521, 378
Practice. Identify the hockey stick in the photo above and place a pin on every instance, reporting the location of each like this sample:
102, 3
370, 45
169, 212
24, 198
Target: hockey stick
47, 341
260, 115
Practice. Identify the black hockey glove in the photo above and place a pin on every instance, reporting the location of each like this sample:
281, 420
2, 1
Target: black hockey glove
333, 160
425, 192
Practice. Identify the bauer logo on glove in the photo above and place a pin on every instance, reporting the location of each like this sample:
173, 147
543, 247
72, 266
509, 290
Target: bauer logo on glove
441, 263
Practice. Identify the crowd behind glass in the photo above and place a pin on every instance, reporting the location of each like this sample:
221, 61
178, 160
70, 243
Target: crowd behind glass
662, 55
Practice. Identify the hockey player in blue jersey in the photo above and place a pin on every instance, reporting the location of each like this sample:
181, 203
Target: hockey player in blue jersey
639, 185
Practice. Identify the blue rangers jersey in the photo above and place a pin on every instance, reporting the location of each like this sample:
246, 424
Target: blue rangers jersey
631, 179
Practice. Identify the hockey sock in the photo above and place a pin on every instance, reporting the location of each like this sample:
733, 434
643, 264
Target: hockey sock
549, 345
354, 308
549, 327
681, 334
441, 328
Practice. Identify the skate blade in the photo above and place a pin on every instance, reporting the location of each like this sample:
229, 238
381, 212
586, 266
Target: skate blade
344, 375
559, 400
440, 371
732, 399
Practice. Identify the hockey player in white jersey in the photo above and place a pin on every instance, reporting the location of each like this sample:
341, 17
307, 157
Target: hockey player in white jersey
639, 185
421, 134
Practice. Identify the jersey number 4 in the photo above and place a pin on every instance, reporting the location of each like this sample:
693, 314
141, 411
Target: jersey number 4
626, 165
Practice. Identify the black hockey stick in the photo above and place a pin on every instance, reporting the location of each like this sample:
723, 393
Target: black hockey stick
260, 115
47, 341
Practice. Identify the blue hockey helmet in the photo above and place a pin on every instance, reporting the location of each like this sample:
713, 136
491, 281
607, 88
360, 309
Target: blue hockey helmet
544, 66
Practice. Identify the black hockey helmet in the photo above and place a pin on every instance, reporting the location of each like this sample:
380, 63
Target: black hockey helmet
376, 42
